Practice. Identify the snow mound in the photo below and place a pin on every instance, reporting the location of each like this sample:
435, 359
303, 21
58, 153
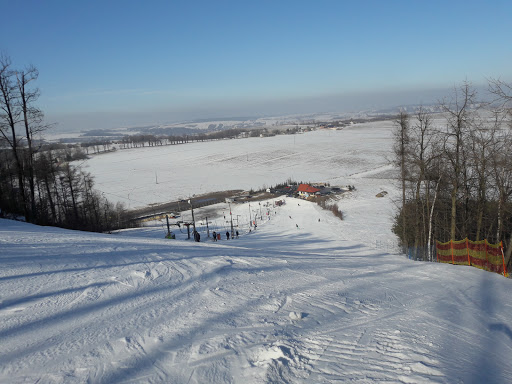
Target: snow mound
296, 315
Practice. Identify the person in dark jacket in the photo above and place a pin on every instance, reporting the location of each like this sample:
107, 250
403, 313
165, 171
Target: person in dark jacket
214, 236
227, 235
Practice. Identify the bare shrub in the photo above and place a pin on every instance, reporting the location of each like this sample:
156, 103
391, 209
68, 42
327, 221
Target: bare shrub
328, 204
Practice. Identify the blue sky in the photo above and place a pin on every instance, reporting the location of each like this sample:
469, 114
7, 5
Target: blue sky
109, 63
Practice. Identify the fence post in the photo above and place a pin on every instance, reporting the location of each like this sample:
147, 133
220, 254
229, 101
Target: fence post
467, 248
486, 258
451, 246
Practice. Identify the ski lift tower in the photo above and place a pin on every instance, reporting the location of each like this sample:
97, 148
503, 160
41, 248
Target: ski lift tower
192, 210
231, 215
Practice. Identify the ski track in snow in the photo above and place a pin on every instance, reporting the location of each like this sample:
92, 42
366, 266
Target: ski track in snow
318, 304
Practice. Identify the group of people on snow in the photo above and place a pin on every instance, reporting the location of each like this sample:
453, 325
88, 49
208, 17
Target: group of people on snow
216, 236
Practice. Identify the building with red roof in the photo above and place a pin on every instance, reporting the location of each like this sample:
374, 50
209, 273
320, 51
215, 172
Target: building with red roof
306, 190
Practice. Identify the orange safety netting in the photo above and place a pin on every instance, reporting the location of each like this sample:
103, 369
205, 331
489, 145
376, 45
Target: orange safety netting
479, 254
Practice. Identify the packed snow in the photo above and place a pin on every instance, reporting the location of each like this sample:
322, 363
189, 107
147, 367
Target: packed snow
303, 298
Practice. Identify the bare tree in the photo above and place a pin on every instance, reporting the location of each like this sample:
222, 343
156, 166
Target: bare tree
425, 152
9, 118
502, 175
502, 92
401, 150
459, 119
32, 118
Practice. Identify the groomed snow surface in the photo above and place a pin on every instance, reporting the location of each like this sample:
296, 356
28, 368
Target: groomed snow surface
330, 301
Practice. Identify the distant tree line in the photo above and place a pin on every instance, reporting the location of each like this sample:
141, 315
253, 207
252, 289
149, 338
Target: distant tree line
456, 171
149, 140
37, 181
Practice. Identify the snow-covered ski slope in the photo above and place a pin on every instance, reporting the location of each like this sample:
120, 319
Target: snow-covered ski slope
330, 301
278, 305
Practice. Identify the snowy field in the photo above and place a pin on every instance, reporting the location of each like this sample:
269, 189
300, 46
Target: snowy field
142, 176
305, 298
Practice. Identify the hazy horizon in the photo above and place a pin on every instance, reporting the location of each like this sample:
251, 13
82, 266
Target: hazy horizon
332, 104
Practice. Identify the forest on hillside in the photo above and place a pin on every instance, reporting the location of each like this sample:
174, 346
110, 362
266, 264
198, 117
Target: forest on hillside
456, 171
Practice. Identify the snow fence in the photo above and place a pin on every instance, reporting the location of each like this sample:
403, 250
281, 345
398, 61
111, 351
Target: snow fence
479, 254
